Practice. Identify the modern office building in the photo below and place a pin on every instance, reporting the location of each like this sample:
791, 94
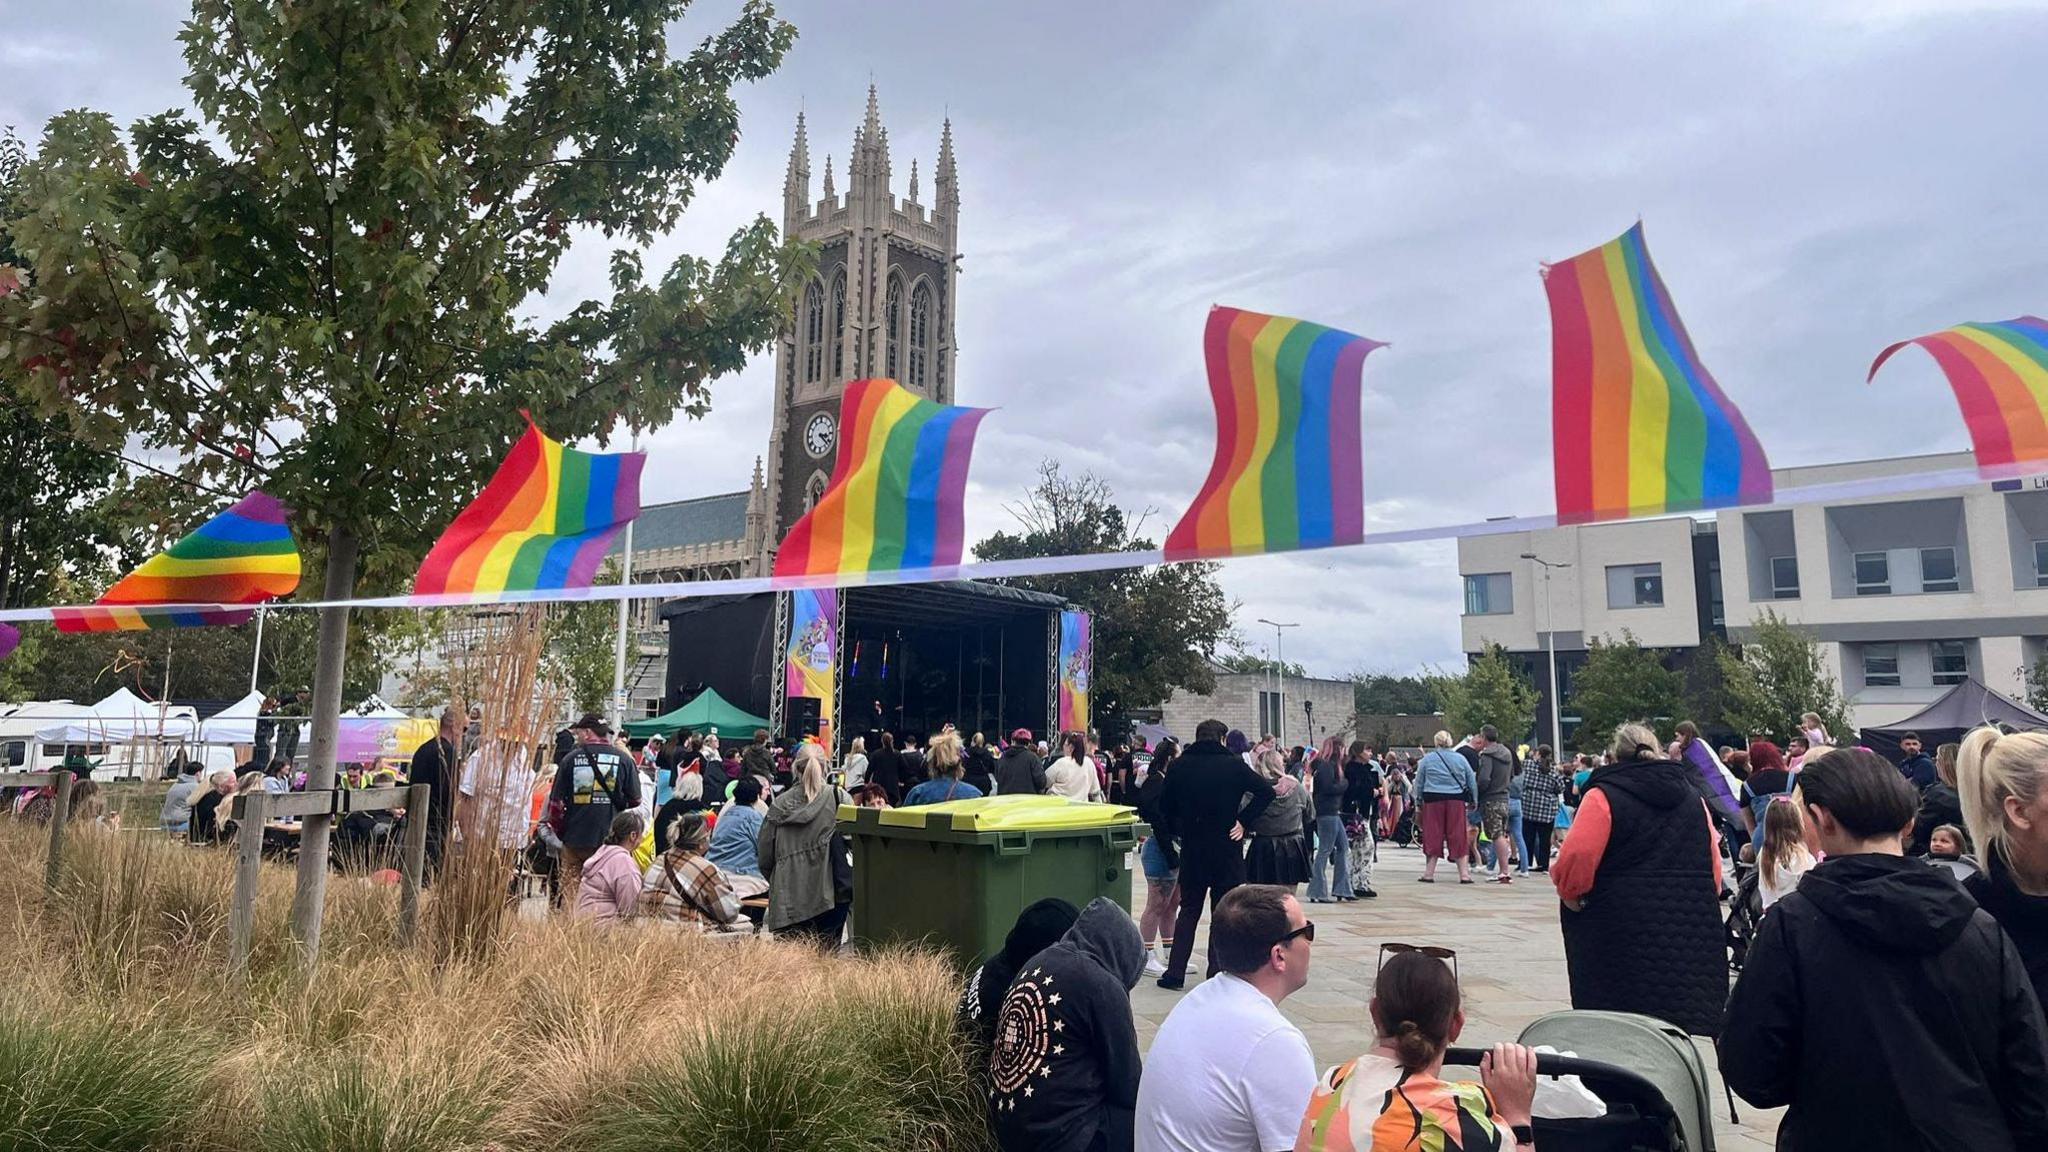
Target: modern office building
1911, 593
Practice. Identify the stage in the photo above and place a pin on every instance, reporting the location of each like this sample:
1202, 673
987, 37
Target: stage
909, 658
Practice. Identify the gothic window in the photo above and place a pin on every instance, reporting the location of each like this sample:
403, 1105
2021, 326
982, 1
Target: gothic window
838, 323
814, 490
892, 322
920, 333
814, 333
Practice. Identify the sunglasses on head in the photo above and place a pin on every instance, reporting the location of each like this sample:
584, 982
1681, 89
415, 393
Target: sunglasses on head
1307, 932
1432, 951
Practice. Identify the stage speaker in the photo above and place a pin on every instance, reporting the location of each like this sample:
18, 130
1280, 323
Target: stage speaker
800, 716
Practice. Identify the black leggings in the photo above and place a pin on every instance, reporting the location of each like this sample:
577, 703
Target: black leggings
1536, 833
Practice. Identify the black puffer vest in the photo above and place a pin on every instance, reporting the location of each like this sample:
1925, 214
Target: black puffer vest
1650, 939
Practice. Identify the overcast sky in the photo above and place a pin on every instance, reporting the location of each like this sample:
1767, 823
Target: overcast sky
1816, 180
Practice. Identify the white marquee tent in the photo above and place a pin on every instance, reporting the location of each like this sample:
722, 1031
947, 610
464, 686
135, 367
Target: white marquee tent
124, 718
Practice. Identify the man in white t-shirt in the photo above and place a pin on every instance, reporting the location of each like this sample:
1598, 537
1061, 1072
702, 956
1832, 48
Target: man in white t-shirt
497, 780
1228, 1072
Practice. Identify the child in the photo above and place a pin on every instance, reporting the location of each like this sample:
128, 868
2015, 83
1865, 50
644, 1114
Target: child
1811, 728
1784, 858
1945, 843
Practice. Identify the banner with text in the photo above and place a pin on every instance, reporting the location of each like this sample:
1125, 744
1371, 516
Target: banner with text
813, 651
1077, 669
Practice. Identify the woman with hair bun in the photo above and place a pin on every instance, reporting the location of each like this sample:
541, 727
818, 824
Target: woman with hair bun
2002, 780
1395, 1097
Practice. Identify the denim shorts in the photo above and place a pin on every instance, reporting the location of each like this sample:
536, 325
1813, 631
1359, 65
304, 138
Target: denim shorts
1153, 857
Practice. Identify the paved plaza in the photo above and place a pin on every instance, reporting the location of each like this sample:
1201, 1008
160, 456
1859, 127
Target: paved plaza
1510, 966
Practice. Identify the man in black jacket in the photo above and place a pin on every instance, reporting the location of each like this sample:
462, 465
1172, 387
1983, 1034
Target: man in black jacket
1063, 1072
1201, 808
1878, 1001
433, 764
1020, 772
1914, 764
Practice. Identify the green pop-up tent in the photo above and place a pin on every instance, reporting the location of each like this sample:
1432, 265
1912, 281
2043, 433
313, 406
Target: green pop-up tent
708, 711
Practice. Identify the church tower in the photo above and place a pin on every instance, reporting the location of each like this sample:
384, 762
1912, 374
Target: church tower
881, 304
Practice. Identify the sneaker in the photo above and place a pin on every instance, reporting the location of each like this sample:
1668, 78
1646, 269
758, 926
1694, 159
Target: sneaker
1153, 967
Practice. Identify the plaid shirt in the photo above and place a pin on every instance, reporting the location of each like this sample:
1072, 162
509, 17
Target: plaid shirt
1541, 790
711, 904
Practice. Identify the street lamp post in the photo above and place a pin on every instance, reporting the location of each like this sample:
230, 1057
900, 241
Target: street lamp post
1280, 670
1550, 648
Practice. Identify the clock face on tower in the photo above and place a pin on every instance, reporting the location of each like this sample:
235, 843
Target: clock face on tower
818, 435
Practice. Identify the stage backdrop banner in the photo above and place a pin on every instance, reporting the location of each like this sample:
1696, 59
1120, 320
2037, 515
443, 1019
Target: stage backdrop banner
1077, 668
813, 650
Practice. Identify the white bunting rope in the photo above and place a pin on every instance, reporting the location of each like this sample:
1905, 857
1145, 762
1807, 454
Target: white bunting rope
1855, 489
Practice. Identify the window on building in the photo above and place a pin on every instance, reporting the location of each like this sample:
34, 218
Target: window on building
814, 490
1951, 661
2041, 563
1873, 574
837, 335
1635, 586
920, 333
1717, 615
814, 333
1938, 570
1489, 594
892, 321
1880, 665
1269, 713
1784, 577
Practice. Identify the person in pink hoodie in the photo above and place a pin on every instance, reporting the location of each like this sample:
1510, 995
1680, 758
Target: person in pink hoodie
610, 888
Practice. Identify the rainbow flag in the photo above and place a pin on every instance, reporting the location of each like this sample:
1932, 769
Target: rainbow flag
245, 555
897, 487
1638, 425
1999, 373
10, 639
1288, 471
545, 520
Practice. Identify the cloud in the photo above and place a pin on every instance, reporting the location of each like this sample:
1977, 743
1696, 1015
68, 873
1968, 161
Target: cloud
1816, 181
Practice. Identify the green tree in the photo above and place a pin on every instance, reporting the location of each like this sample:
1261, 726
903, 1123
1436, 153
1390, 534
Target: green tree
1706, 682
1622, 681
1155, 629
1242, 661
1385, 694
1777, 674
2037, 683
324, 285
1490, 691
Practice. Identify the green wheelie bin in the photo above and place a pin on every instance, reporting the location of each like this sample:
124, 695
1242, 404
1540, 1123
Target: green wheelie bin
956, 875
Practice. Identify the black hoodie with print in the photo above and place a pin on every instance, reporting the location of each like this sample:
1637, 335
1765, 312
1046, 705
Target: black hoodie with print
1888, 1011
1064, 1070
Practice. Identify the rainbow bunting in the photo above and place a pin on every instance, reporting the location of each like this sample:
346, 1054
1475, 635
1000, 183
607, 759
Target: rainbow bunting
1999, 372
245, 555
545, 520
1288, 471
896, 490
1638, 426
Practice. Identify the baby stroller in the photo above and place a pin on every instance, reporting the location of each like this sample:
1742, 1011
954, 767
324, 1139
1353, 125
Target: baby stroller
1404, 829
1745, 908
1647, 1072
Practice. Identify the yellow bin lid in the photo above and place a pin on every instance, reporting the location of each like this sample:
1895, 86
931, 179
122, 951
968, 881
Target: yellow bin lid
1006, 814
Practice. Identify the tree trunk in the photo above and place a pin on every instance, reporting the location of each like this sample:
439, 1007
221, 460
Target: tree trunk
330, 663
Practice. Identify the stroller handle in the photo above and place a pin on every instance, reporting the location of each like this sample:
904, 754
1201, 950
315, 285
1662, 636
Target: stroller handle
1593, 1072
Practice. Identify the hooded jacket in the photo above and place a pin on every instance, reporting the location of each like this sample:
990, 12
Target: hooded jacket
1040, 926
1888, 1011
1020, 772
794, 848
1065, 1064
1496, 770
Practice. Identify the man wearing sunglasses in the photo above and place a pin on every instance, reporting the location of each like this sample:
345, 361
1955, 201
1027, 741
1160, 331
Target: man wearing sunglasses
1227, 1070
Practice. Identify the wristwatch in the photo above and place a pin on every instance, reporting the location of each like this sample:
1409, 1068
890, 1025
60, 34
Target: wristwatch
1525, 1136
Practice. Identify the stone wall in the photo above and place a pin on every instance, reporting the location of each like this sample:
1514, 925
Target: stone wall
1236, 702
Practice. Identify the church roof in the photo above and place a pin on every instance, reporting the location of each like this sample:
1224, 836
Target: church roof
685, 523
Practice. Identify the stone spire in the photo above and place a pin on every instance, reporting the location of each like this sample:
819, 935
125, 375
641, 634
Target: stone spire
796, 182
873, 124
913, 180
829, 192
945, 180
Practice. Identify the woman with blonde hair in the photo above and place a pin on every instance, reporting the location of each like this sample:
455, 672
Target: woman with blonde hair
2002, 779
810, 881
1279, 848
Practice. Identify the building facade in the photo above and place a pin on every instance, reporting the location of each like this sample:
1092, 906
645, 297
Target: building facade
1910, 594
1305, 709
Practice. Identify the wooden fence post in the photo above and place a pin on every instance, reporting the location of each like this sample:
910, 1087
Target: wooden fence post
254, 813
60, 814
419, 800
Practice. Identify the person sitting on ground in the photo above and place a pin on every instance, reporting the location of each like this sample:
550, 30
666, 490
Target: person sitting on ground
733, 841
1063, 1075
1019, 770
947, 768
608, 889
1073, 774
206, 817
1227, 1069
1038, 927
682, 886
89, 806
687, 796
1394, 1097
176, 817
1878, 1003
1785, 857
